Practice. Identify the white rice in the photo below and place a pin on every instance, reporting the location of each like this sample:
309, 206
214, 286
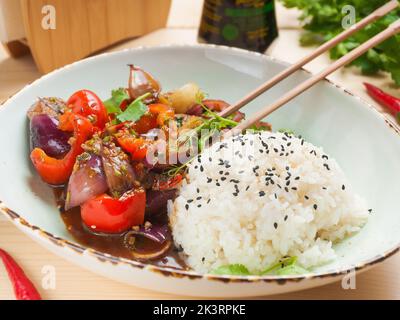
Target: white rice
239, 212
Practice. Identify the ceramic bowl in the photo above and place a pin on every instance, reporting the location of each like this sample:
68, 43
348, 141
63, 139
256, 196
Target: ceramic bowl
365, 144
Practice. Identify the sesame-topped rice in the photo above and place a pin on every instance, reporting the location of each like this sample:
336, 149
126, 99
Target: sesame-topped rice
256, 198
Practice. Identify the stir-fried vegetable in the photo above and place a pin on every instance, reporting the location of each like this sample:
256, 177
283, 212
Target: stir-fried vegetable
114, 215
87, 180
46, 135
123, 159
142, 83
87, 104
57, 171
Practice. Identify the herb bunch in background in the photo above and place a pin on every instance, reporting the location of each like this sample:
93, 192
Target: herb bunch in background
322, 20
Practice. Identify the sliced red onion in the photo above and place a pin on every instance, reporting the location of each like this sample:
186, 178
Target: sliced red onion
155, 233
87, 180
118, 169
44, 134
216, 106
156, 201
196, 110
50, 105
142, 82
238, 116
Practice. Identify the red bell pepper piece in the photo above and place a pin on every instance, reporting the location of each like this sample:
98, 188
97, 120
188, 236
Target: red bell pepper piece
136, 146
110, 215
23, 287
57, 171
171, 183
157, 116
85, 103
162, 111
390, 102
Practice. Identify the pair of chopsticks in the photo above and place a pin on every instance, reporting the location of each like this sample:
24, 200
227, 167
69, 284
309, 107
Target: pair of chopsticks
393, 29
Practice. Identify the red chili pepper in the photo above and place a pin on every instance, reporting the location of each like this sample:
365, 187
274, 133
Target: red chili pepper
57, 171
85, 103
23, 287
387, 100
110, 215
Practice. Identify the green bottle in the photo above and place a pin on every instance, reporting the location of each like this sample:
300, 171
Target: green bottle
247, 24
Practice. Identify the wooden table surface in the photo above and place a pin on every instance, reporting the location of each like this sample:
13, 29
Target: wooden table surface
72, 282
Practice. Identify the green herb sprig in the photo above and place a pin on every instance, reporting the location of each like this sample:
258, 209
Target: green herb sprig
284, 267
134, 111
322, 21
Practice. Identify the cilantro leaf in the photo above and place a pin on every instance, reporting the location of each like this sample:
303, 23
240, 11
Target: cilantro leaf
232, 269
134, 111
117, 97
292, 269
322, 20
286, 266
288, 131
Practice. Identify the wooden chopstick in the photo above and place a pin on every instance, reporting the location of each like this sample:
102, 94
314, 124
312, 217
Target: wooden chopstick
393, 29
378, 13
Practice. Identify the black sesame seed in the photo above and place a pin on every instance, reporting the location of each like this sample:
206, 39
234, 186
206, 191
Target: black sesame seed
343, 187
275, 225
223, 178
306, 197
261, 193
190, 201
285, 218
187, 207
315, 207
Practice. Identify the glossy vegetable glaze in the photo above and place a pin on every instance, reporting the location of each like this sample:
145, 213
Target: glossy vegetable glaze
123, 160
116, 244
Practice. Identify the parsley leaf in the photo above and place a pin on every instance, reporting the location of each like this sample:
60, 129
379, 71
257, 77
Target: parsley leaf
117, 97
284, 267
232, 269
322, 20
292, 269
134, 111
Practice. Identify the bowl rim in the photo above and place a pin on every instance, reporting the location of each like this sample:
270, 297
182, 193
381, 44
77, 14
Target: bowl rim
52, 240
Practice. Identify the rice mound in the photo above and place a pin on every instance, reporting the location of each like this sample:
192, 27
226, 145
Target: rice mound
256, 198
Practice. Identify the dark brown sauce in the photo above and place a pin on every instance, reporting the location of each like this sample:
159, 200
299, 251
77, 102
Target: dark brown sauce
114, 244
